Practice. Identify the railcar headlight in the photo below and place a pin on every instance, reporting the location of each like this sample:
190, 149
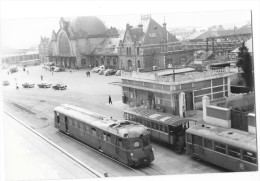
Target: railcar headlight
152, 148
131, 154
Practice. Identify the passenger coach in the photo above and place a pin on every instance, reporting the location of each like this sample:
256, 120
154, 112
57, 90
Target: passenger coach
126, 141
231, 149
163, 127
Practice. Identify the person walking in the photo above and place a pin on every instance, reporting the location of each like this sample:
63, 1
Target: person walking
109, 100
27, 72
41, 77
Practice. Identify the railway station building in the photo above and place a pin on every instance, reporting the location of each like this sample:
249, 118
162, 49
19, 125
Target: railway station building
75, 43
175, 91
149, 45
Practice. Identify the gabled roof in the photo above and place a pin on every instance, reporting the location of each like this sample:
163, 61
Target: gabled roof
150, 32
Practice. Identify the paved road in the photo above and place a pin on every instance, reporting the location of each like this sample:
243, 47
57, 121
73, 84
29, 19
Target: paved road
29, 157
35, 107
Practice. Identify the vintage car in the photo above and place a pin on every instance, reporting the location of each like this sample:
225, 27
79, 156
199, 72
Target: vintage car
59, 86
110, 72
5, 82
59, 69
28, 85
44, 85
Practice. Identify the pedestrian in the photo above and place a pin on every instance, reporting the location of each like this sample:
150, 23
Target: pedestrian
27, 72
87, 73
52, 73
109, 99
8, 72
41, 77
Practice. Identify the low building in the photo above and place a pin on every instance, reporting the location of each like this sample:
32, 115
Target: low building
16, 59
175, 90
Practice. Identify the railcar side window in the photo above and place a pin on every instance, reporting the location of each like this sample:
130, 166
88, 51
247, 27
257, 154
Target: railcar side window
144, 122
58, 117
220, 147
189, 138
86, 128
148, 124
105, 136
208, 144
161, 128
146, 141
119, 143
197, 140
93, 130
152, 125
73, 123
234, 152
249, 156
166, 129
156, 126
108, 138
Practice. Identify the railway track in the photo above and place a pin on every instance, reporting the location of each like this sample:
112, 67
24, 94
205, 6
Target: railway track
56, 146
142, 170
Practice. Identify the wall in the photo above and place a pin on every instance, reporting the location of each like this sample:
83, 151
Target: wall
218, 116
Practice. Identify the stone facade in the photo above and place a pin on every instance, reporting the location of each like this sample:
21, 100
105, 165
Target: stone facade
75, 43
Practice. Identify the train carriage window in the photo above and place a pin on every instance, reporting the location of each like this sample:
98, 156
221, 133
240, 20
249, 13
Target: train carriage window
148, 124
161, 128
144, 122
249, 156
119, 143
208, 144
86, 128
221, 148
152, 125
93, 131
108, 138
146, 141
197, 140
131, 117
234, 152
156, 126
166, 129
73, 122
58, 117
104, 136
126, 144
189, 138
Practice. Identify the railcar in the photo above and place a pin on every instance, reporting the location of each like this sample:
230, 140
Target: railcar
125, 141
163, 127
231, 149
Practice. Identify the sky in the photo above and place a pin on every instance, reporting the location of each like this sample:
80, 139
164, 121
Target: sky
24, 22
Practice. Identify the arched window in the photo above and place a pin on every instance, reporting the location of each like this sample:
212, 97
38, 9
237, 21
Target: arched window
138, 64
129, 63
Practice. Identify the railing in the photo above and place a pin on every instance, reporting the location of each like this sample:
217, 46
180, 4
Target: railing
176, 78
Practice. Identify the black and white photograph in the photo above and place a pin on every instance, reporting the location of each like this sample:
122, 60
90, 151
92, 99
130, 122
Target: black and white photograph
128, 90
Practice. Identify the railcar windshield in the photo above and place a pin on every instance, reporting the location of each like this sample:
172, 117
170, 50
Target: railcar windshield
146, 141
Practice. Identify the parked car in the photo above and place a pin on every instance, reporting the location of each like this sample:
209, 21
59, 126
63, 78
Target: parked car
28, 85
44, 85
59, 69
59, 86
101, 72
94, 69
5, 82
119, 72
110, 72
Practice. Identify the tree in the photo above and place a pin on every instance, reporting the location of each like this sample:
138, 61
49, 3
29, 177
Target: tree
245, 62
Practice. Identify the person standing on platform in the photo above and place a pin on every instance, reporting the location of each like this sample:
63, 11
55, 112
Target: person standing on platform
41, 77
109, 99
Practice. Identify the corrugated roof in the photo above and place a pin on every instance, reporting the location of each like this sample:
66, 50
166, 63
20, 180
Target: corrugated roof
232, 137
158, 117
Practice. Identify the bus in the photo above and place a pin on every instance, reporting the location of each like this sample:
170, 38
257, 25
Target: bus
163, 127
231, 149
13, 69
125, 141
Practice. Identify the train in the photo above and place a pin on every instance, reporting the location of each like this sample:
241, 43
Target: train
228, 148
164, 128
125, 141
